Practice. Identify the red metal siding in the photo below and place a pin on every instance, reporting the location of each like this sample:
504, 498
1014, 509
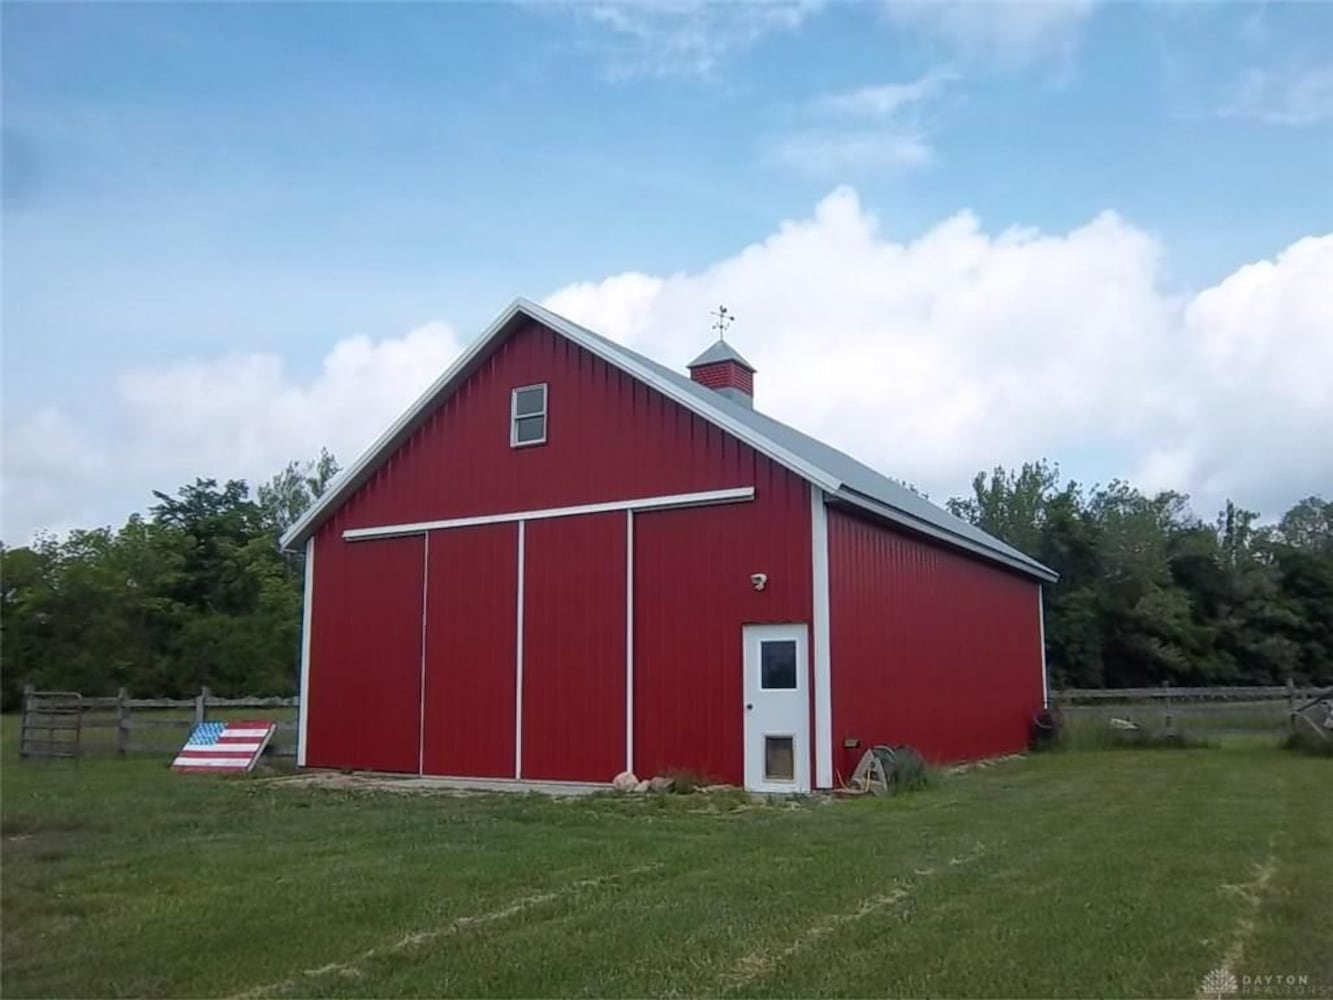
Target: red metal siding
724, 374
929, 647
365, 654
574, 648
692, 594
471, 605
608, 437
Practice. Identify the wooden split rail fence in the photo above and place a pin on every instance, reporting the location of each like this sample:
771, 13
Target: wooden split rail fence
1204, 710
66, 724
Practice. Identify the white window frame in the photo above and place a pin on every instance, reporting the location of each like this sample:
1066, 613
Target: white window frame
514, 442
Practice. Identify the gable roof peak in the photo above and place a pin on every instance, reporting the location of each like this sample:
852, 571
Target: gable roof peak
838, 475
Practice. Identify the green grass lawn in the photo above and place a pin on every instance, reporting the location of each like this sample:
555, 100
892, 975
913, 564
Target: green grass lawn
1117, 873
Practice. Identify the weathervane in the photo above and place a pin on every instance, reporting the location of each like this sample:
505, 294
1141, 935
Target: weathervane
724, 321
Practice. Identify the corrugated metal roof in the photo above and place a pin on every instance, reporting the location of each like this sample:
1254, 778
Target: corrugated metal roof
720, 351
834, 471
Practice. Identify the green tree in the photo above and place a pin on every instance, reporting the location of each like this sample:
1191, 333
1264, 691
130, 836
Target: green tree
290, 493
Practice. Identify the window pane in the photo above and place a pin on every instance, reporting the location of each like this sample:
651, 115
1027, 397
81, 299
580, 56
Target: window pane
779, 760
529, 429
530, 402
777, 665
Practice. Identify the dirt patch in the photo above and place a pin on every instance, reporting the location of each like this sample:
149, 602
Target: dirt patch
1250, 893
340, 781
366, 781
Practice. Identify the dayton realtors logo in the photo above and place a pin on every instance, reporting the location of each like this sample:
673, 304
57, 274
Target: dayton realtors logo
1219, 983
1223, 983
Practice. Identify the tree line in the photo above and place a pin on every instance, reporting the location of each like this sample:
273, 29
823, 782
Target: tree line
197, 591
1150, 593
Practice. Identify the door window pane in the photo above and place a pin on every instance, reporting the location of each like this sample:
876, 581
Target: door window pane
777, 665
779, 759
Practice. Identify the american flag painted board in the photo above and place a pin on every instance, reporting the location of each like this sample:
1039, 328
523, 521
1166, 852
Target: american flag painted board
222, 747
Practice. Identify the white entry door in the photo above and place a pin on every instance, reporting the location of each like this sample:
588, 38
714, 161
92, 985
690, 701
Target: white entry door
777, 708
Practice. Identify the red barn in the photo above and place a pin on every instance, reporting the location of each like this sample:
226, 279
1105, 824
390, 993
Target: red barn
566, 561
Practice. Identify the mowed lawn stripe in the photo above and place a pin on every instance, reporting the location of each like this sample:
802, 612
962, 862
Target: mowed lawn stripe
1098, 873
1118, 893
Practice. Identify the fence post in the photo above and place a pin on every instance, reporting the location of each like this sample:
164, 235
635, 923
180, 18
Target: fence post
1291, 701
201, 705
1166, 688
28, 690
122, 722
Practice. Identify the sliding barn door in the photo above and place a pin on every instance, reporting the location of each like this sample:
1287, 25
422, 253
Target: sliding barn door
574, 647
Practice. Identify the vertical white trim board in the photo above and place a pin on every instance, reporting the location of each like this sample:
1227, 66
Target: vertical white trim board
1045, 673
518, 662
629, 640
821, 671
421, 689
307, 607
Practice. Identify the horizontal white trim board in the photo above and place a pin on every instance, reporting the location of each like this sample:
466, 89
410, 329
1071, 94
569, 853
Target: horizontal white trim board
733, 495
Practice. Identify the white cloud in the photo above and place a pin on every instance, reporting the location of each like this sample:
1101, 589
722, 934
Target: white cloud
685, 38
49, 468
242, 416
1260, 404
876, 127
885, 99
1287, 97
938, 357
831, 153
929, 359
1013, 33
247, 415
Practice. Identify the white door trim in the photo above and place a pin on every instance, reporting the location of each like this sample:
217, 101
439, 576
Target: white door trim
821, 664
733, 495
307, 614
770, 712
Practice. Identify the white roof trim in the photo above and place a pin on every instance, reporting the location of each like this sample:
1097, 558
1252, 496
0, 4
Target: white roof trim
351, 478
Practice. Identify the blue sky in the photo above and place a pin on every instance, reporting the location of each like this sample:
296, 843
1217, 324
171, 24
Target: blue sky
193, 183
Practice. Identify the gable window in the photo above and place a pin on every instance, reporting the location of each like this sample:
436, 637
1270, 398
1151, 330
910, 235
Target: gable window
527, 413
